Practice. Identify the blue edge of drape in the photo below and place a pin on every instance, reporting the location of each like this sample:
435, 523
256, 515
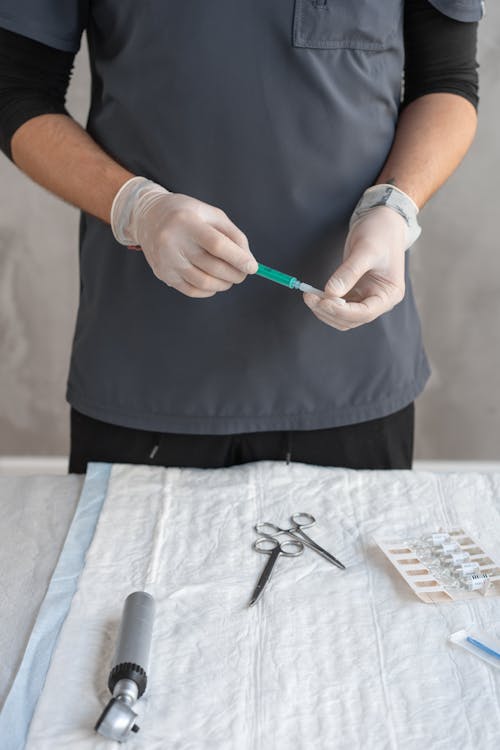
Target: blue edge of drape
21, 701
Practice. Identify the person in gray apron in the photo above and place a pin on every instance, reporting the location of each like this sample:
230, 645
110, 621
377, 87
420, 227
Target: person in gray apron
222, 135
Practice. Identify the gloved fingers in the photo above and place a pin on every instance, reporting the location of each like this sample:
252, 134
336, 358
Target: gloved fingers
215, 267
224, 248
326, 317
356, 294
191, 291
203, 281
179, 279
349, 273
345, 315
223, 223
330, 313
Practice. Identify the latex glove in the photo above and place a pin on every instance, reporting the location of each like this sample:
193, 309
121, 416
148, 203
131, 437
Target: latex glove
371, 279
190, 245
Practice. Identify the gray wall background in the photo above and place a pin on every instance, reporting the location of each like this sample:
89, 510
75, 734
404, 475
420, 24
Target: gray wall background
455, 267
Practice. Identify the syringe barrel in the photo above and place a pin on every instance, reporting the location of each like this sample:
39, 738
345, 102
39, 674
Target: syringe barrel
134, 641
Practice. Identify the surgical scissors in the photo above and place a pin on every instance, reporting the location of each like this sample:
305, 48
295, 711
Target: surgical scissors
275, 549
300, 521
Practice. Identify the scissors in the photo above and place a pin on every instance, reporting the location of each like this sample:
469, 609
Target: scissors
300, 521
274, 548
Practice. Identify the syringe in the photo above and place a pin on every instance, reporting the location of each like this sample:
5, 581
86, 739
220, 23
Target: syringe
285, 280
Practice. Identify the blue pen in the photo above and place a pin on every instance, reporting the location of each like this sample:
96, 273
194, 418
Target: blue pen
482, 646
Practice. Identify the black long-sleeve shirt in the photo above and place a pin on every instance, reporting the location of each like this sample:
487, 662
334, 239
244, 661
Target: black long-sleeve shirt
440, 56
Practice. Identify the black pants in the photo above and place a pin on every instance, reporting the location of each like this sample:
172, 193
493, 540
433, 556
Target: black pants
385, 443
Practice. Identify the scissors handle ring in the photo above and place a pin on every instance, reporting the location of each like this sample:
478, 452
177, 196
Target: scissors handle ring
303, 520
291, 548
267, 544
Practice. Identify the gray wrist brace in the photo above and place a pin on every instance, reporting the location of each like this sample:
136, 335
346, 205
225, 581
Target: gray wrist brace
392, 197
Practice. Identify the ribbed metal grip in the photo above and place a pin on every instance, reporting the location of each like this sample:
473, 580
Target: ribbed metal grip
128, 671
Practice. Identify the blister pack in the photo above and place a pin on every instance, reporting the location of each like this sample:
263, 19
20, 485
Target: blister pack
444, 565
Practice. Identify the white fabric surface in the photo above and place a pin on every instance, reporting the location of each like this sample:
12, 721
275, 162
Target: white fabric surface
326, 659
35, 513
18, 708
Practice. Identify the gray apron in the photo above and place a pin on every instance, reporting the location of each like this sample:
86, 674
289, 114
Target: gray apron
281, 113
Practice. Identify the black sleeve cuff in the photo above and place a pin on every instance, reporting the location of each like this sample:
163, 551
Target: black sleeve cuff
17, 111
34, 79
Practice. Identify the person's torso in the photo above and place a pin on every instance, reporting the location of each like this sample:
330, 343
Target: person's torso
281, 114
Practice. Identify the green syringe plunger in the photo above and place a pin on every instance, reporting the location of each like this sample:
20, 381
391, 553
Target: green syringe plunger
285, 280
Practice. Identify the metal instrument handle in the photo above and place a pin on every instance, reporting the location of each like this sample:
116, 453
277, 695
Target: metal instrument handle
303, 520
136, 628
267, 544
268, 529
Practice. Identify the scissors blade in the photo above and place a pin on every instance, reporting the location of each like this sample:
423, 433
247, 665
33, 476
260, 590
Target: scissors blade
265, 576
314, 546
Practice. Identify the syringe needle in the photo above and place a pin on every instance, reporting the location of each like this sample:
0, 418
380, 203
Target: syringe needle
310, 289
286, 280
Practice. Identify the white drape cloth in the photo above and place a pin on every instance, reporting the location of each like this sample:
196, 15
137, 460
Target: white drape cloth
326, 659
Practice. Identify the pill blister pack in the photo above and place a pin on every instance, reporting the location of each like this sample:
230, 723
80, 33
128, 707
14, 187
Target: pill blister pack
444, 565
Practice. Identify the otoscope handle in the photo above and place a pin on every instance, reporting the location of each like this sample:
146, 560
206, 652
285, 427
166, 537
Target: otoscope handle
132, 653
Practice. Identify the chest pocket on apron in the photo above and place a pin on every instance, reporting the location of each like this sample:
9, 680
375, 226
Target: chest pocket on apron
349, 24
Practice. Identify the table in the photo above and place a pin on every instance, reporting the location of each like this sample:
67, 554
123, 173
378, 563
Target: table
35, 513
325, 660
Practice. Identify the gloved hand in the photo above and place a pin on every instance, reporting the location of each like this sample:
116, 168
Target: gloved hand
190, 245
371, 280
